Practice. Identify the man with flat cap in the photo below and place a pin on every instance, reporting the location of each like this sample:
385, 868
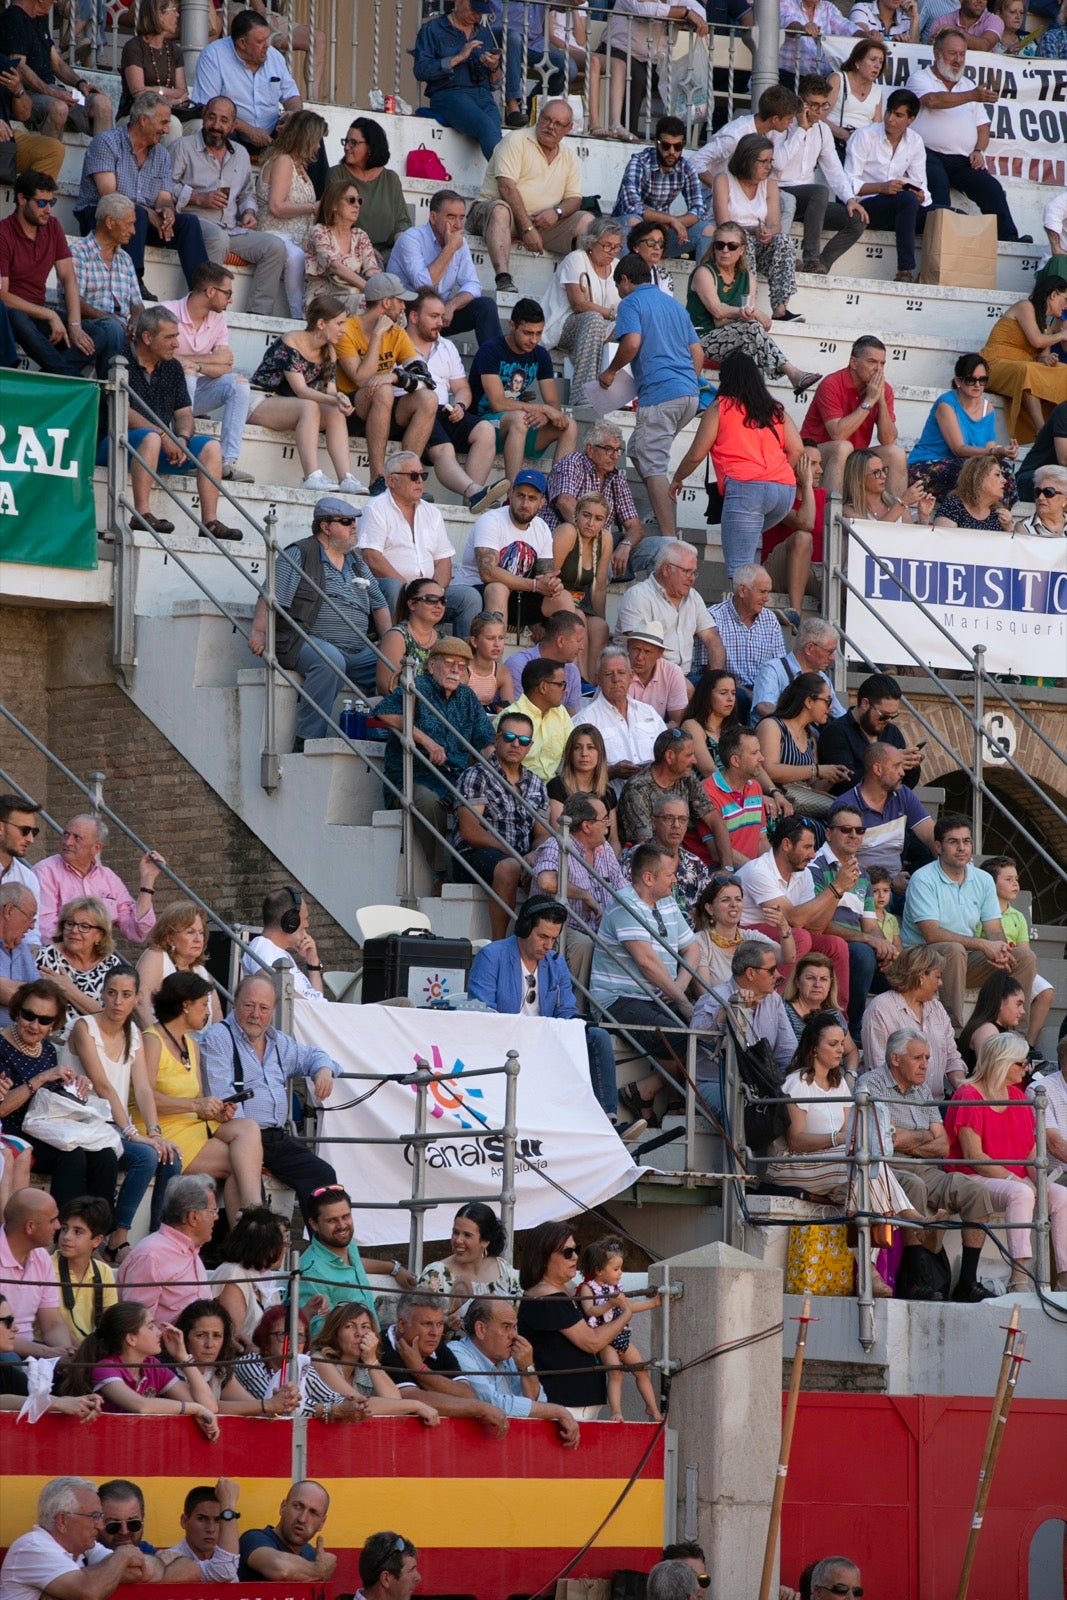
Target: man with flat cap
327, 590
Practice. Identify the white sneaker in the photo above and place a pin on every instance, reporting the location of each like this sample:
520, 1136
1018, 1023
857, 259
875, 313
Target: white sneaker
318, 480
352, 485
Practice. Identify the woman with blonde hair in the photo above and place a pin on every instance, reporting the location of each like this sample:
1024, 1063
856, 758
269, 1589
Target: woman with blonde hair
81, 954
977, 502
864, 495
584, 770
344, 1353
723, 309
980, 1130
287, 195
582, 552
812, 987
176, 944
339, 255
911, 1001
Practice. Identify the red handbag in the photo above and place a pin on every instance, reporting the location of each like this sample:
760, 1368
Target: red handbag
423, 163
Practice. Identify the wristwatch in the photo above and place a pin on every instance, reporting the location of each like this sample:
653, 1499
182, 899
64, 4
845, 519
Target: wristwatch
229, 1516
558, 210
529, 1372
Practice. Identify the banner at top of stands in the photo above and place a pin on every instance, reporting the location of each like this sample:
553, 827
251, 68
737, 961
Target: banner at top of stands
1028, 124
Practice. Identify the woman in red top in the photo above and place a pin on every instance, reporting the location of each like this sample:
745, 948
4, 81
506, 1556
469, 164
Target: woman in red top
1005, 1134
753, 446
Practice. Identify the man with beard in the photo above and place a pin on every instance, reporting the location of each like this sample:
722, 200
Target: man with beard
213, 180
332, 1272
954, 126
845, 740
32, 243
509, 551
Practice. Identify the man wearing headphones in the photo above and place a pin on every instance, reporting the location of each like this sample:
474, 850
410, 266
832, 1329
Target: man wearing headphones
525, 976
285, 934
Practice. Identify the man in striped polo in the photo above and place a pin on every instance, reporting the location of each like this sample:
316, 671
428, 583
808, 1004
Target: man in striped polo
734, 789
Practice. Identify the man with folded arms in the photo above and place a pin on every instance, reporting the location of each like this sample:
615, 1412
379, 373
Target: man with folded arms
207, 360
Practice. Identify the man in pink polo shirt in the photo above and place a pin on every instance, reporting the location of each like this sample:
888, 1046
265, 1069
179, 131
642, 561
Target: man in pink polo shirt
846, 410
31, 1221
207, 360
984, 30
658, 682
164, 1271
76, 872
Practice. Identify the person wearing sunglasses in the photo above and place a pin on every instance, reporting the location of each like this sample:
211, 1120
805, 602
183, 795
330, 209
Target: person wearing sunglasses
677, 1579
32, 245
652, 184
122, 1503
503, 797
854, 918
388, 1568
369, 352
18, 965
14, 1385
19, 827
62, 1553
565, 1348
836, 1576
961, 424
1050, 503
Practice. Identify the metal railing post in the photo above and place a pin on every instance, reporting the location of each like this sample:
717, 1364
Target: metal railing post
417, 1225
96, 784
283, 988
407, 682
979, 748
690, 1101
1042, 1251
510, 1131
864, 1266
300, 1426
269, 764
562, 876
124, 646
767, 24
733, 1224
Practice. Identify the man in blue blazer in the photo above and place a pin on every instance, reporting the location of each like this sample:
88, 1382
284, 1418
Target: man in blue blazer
526, 976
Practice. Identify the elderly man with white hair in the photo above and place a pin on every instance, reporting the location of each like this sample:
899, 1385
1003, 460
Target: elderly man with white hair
668, 597
813, 650
107, 282
673, 1580
750, 632
917, 1131
599, 468
837, 1576
76, 873
1049, 519
628, 726
18, 909
62, 1556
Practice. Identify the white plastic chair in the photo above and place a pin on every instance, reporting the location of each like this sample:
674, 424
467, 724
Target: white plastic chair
373, 922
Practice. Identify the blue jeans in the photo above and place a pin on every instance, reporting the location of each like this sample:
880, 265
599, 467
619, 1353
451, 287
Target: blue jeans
862, 970
107, 333
234, 396
515, 71
322, 680
749, 508
470, 111
141, 1164
697, 241
602, 1068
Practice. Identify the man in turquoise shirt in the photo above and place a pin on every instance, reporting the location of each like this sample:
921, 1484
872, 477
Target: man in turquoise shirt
332, 1272
946, 901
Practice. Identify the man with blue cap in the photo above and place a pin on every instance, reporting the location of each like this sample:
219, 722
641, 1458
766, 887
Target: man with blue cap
509, 552
327, 590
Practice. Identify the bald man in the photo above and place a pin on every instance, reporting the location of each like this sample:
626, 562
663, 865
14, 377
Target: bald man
31, 1221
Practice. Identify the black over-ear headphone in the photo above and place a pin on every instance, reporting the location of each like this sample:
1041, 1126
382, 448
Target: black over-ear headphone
532, 912
289, 921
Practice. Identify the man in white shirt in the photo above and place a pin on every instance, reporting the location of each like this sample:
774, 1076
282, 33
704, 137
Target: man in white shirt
509, 551
775, 112
61, 1556
806, 148
629, 727
885, 164
402, 537
210, 1527
456, 417
954, 126
778, 884
18, 829
669, 597
285, 933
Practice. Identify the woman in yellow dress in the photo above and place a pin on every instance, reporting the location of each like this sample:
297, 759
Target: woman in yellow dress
231, 1152
1021, 356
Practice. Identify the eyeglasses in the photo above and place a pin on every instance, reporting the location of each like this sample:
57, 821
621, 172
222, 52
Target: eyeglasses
7, 1322
608, 449
531, 989
726, 244
1039, 494
822, 699
94, 1516
350, 144
220, 290
345, 522
398, 1548
841, 827
841, 1588
557, 122
876, 472
82, 927
40, 1019
670, 145
569, 1250
123, 1525
45, 204
556, 683
651, 244
516, 738
980, 380
885, 716
28, 831
416, 477
353, 200
429, 600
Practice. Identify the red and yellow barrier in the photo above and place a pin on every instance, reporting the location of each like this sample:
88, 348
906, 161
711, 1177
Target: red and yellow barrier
491, 1517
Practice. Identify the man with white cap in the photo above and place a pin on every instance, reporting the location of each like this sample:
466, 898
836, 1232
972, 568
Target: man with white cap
371, 350
341, 620
660, 683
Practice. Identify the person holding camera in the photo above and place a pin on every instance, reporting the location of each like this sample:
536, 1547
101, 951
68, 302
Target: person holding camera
375, 356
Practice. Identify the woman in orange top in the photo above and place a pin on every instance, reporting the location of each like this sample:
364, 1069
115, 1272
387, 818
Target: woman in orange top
754, 448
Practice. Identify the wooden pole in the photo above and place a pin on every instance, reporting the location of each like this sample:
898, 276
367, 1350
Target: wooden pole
1014, 1342
787, 1445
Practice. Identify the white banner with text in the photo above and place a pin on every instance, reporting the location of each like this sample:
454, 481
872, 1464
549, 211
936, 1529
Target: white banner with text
563, 1135
1028, 124
1007, 593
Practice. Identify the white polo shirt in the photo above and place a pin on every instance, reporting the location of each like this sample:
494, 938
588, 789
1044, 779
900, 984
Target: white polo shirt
384, 527
36, 1559
761, 881
446, 365
953, 132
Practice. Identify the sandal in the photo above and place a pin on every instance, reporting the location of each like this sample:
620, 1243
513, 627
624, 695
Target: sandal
640, 1110
116, 1255
623, 135
804, 383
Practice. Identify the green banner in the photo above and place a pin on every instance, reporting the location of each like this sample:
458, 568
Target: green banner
47, 453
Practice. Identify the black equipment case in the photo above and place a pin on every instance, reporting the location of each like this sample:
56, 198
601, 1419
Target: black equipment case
416, 964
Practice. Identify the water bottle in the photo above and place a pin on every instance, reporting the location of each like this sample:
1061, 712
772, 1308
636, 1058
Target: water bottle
354, 720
